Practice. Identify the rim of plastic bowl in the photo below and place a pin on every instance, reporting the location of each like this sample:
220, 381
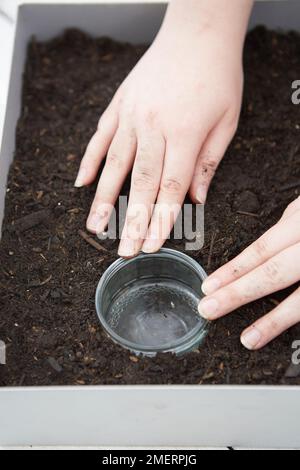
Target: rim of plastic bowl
183, 344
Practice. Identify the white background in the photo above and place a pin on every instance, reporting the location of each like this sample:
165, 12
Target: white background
6, 40
8, 11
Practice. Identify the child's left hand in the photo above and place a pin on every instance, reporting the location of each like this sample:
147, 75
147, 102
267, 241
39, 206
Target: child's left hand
170, 122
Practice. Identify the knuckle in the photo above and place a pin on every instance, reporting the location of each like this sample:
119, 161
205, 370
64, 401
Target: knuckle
209, 166
136, 221
133, 226
133, 214
171, 185
236, 271
234, 296
143, 179
261, 249
272, 271
131, 133
114, 160
131, 219
273, 326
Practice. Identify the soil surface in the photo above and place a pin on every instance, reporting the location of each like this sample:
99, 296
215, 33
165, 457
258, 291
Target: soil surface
48, 272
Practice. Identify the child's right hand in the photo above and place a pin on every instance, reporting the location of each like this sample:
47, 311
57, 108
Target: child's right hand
170, 122
269, 265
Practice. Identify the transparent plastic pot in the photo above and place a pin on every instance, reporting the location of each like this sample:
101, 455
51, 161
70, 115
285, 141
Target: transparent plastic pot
148, 304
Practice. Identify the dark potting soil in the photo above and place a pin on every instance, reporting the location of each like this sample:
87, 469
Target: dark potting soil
49, 272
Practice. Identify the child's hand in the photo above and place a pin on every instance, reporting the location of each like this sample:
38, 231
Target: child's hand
170, 122
269, 265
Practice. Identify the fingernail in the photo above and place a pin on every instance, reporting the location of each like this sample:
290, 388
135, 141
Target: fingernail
93, 222
201, 195
80, 180
150, 246
211, 285
208, 307
251, 338
127, 248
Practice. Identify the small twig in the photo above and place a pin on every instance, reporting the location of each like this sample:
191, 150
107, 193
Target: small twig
31, 220
248, 214
91, 241
289, 186
49, 243
211, 248
21, 381
206, 372
42, 283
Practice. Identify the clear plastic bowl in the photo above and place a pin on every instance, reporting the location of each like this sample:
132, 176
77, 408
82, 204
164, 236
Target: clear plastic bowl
149, 304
